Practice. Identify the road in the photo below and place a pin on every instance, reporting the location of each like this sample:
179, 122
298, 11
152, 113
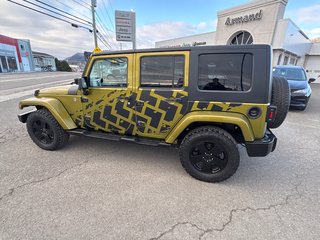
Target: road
97, 189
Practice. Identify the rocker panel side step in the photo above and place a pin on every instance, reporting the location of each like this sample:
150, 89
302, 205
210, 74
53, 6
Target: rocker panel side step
115, 137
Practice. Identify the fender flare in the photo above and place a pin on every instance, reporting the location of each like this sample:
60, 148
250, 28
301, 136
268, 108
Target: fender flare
54, 106
212, 117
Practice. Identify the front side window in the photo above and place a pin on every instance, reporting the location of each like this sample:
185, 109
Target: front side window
109, 72
225, 72
162, 71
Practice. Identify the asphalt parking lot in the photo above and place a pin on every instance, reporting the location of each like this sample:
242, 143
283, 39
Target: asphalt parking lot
98, 189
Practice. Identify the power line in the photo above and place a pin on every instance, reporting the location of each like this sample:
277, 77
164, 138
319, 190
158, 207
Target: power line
103, 41
98, 17
73, 9
72, 24
102, 27
63, 11
106, 34
110, 3
85, 3
82, 4
104, 18
104, 5
100, 36
54, 12
107, 31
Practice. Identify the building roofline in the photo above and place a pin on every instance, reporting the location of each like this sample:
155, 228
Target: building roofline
41, 53
286, 51
195, 35
249, 6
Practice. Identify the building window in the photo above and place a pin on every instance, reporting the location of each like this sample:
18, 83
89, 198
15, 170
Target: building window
225, 72
12, 63
285, 61
162, 71
4, 63
292, 60
242, 38
279, 59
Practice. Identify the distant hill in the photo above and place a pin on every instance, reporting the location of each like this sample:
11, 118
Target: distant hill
77, 62
78, 57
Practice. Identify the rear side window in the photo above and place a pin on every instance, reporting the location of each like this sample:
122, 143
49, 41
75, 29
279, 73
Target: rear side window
162, 71
225, 72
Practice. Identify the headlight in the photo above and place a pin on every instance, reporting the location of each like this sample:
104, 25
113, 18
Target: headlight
303, 91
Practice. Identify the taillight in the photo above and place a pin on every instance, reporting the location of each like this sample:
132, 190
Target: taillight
271, 113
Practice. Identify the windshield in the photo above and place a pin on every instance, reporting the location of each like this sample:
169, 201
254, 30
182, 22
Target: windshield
290, 73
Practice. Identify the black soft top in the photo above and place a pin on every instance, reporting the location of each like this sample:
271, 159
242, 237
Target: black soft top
174, 49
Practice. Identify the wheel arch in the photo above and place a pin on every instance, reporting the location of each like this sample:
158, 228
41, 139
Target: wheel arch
54, 106
223, 120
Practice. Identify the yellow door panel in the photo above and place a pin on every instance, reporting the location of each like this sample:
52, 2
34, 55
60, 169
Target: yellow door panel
159, 107
107, 106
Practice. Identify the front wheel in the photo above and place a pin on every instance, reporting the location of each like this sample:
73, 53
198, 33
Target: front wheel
45, 131
209, 154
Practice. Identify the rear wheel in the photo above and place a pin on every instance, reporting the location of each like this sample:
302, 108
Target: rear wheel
281, 99
45, 131
209, 154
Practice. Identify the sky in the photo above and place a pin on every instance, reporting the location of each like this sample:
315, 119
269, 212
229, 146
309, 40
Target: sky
156, 20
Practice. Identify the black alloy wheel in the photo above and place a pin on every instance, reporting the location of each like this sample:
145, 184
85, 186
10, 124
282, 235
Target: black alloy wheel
208, 157
42, 131
209, 154
45, 131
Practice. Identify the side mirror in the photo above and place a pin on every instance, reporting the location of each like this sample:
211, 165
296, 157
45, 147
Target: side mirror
83, 85
311, 80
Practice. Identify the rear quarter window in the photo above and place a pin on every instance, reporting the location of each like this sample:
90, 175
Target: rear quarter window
225, 72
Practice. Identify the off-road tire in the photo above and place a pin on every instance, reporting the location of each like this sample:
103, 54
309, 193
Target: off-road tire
58, 136
281, 99
219, 138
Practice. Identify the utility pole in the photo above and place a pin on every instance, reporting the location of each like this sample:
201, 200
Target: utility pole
93, 5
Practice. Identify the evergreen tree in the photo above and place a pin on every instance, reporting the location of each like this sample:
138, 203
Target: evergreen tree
62, 66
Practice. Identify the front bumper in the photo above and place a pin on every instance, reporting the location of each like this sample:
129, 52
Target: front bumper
262, 147
299, 100
23, 116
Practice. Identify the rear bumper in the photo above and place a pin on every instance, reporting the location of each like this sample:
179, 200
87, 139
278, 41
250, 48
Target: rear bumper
262, 147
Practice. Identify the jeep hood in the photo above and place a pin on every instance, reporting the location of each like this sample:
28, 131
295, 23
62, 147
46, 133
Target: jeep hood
59, 90
297, 84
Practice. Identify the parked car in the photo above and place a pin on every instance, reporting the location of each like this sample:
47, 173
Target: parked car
203, 100
299, 85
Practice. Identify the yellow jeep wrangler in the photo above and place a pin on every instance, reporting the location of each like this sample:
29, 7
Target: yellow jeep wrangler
203, 100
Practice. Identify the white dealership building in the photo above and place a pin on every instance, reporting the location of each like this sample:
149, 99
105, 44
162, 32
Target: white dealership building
260, 22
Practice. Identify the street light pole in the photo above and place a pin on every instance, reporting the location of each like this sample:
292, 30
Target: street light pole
93, 5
